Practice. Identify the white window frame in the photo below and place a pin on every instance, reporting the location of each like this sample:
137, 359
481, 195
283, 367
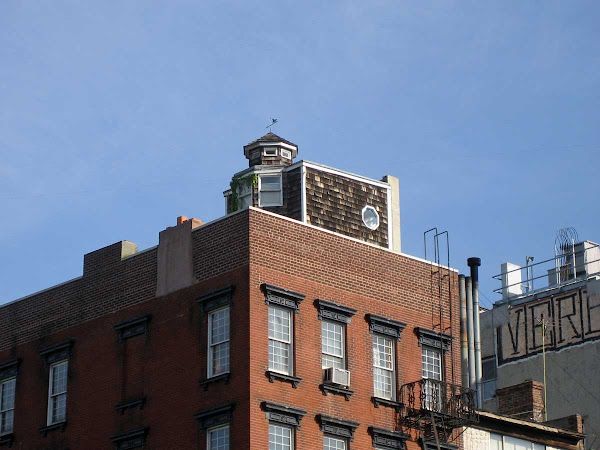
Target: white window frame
286, 154
345, 441
270, 151
290, 343
291, 429
246, 191
217, 428
260, 189
5, 410
323, 352
52, 397
393, 370
432, 388
211, 347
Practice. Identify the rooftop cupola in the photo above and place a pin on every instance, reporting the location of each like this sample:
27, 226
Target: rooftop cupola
270, 150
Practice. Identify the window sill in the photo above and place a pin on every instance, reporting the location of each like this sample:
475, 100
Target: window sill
223, 377
139, 403
385, 402
282, 377
7, 439
333, 389
55, 426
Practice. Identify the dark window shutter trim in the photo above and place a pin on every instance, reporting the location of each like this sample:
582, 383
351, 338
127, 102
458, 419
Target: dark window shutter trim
383, 325
272, 376
55, 426
57, 352
333, 389
283, 414
282, 297
431, 445
386, 439
139, 403
10, 369
434, 339
7, 439
215, 417
133, 327
216, 299
334, 311
377, 401
337, 427
130, 439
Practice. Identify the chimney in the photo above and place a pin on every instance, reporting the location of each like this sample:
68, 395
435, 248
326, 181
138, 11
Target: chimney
175, 269
394, 209
522, 401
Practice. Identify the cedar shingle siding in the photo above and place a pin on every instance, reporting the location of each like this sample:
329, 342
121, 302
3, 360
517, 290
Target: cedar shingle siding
335, 203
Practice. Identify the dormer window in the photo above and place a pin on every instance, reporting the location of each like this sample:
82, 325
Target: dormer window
286, 154
270, 151
270, 190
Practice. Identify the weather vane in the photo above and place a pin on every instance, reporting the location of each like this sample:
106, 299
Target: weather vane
273, 122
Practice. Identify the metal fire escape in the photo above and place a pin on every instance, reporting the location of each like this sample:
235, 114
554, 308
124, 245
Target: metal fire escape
434, 408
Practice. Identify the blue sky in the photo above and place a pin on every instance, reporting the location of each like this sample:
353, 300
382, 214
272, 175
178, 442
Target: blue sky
117, 117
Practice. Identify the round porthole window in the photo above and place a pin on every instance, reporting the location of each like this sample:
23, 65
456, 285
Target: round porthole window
370, 217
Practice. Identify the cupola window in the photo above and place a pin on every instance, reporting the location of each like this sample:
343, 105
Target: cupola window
270, 190
286, 154
270, 151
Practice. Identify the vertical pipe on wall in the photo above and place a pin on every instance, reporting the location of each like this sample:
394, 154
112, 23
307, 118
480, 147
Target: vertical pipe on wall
474, 264
464, 340
470, 333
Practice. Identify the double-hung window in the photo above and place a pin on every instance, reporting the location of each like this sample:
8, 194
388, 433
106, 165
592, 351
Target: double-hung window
280, 437
333, 443
431, 367
332, 345
281, 332
218, 342
270, 190
7, 405
245, 195
383, 367
57, 392
218, 438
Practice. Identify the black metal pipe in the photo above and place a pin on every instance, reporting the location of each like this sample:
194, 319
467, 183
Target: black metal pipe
474, 264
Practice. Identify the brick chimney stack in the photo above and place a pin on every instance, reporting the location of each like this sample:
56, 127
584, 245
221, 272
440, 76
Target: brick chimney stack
522, 401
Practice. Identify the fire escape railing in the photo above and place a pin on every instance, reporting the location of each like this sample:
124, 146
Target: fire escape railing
450, 405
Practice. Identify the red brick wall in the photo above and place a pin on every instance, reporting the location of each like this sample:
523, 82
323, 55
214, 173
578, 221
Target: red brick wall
371, 280
246, 250
167, 366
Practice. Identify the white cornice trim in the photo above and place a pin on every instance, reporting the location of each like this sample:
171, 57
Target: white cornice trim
339, 172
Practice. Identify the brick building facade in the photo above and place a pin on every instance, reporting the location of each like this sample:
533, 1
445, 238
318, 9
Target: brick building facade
218, 337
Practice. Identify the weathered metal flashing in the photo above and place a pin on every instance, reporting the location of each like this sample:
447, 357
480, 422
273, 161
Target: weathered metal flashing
215, 416
383, 325
286, 415
133, 327
334, 311
337, 427
216, 299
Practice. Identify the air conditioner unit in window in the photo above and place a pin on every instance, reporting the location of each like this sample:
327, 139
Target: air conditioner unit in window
337, 376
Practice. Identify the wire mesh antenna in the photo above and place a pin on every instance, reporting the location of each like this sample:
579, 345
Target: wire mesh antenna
564, 243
